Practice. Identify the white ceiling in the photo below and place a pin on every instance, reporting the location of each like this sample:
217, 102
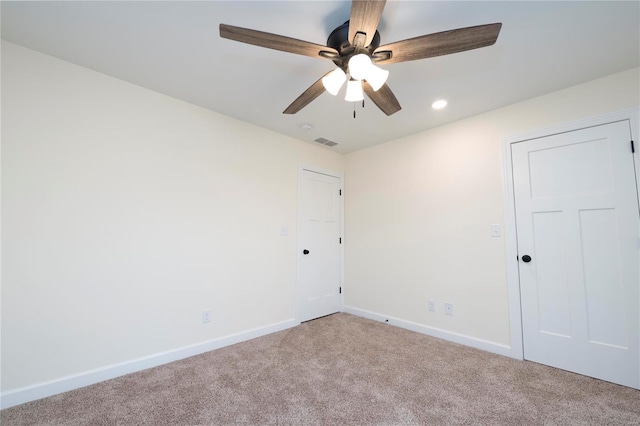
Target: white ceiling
173, 47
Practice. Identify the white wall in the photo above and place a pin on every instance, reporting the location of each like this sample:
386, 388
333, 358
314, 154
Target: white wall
419, 209
125, 213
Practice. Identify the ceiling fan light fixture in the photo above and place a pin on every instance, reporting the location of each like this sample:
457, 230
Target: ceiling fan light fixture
376, 77
333, 81
359, 66
354, 91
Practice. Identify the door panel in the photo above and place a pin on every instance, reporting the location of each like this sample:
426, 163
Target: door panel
319, 278
600, 256
553, 291
591, 175
577, 217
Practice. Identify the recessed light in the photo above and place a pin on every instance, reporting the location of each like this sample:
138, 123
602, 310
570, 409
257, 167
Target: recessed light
439, 104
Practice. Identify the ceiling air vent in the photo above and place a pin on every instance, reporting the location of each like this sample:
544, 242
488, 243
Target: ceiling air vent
326, 142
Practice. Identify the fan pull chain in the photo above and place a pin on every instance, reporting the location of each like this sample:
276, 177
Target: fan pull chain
354, 108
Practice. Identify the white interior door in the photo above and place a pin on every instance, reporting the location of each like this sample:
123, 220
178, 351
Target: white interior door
578, 221
319, 257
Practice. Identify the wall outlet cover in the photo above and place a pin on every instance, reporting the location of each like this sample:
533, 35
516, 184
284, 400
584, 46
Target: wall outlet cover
448, 309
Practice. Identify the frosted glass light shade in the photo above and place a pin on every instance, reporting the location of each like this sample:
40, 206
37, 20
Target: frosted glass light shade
359, 66
334, 81
376, 77
354, 91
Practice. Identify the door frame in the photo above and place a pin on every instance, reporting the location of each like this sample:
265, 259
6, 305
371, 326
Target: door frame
510, 234
328, 172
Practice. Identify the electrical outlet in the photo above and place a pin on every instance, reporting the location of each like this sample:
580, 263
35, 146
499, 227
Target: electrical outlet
448, 309
431, 305
206, 316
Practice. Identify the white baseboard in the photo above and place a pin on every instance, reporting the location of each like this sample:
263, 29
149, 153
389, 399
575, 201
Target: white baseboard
450, 336
65, 384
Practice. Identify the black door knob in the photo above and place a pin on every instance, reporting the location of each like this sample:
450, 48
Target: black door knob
305, 251
526, 258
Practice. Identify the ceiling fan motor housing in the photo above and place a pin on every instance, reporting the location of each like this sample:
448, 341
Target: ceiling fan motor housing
339, 40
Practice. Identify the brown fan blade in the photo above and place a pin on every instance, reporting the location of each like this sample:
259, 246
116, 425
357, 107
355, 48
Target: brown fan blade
438, 44
277, 42
383, 98
307, 96
365, 17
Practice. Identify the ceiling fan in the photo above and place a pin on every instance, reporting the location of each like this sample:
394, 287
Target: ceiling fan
355, 49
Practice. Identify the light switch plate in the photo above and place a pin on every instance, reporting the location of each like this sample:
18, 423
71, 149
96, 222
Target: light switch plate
495, 230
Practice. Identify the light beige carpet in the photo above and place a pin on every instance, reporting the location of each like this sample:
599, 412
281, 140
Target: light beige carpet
341, 370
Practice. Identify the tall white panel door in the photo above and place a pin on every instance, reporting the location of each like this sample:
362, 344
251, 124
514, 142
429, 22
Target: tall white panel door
319, 257
578, 231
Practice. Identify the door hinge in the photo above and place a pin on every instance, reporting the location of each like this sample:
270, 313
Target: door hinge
341, 192
340, 240
633, 148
